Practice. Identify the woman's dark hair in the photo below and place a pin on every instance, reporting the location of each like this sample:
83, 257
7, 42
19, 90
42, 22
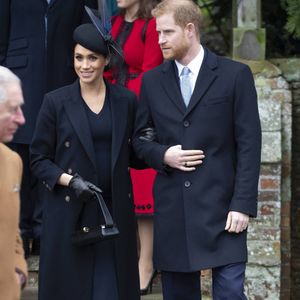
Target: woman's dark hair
145, 8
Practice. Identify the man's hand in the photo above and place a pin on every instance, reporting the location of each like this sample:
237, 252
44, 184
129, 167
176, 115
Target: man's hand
184, 160
236, 222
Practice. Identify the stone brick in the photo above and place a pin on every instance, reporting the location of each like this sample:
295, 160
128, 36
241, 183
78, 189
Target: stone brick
269, 183
265, 234
277, 83
268, 195
270, 169
264, 93
270, 115
271, 147
262, 283
266, 253
281, 96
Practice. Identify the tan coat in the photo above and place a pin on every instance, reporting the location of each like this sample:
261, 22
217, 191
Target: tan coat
11, 250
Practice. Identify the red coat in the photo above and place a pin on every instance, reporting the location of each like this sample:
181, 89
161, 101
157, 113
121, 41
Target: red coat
140, 55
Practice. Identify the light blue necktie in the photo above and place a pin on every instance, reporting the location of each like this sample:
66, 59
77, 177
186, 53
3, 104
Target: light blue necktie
185, 85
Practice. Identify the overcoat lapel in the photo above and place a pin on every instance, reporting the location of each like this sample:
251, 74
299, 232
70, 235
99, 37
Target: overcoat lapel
119, 112
204, 80
77, 116
171, 85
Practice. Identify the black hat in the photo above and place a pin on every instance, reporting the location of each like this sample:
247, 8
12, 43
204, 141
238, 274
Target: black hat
89, 37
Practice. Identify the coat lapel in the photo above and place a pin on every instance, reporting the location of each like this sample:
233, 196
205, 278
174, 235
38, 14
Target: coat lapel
171, 85
77, 116
119, 112
204, 80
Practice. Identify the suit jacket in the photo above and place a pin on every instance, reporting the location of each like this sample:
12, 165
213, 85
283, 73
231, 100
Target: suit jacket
11, 249
40, 55
63, 143
222, 119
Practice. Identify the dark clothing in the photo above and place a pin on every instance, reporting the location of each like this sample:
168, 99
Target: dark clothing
63, 144
40, 55
105, 284
36, 44
101, 129
191, 208
179, 286
227, 284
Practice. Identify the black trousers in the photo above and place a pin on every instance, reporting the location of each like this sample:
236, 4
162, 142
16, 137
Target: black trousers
31, 201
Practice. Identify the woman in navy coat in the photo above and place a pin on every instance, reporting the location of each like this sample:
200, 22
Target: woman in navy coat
85, 128
36, 44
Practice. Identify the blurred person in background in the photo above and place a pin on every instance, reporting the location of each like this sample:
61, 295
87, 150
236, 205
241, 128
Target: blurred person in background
13, 269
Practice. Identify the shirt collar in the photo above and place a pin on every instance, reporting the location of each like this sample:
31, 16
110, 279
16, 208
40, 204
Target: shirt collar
194, 65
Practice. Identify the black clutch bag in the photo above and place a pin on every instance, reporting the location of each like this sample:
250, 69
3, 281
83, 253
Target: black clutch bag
86, 235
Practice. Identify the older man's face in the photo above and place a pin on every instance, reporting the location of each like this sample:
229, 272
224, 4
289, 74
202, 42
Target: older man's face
11, 115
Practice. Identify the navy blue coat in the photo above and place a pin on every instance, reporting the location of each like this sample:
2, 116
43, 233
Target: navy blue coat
62, 143
222, 120
41, 58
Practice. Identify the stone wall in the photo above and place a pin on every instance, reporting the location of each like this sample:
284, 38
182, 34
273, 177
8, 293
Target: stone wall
291, 72
263, 279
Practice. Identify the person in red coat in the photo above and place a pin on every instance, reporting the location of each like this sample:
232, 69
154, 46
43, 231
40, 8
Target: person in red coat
135, 30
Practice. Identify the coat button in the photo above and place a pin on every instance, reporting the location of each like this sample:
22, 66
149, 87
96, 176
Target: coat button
187, 184
128, 169
129, 141
129, 195
67, 198
67, 144
70, 171
186, 123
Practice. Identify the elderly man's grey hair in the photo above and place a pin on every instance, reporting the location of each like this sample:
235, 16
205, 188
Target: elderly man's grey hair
6, 77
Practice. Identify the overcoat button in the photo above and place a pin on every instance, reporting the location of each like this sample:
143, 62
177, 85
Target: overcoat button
186, 123
67, 198
187, 184
129, 195
129, 141
70, 171
67, 144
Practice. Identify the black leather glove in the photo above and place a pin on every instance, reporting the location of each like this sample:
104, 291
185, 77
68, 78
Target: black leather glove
84, 190
148, 134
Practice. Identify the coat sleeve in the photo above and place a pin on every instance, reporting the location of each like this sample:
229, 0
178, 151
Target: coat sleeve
43, 146
247, 132
4, 25
149, 151
135, 162
20, 262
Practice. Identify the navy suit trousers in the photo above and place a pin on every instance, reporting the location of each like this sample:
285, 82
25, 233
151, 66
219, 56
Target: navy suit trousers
227, 284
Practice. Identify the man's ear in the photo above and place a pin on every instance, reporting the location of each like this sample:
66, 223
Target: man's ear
190, 28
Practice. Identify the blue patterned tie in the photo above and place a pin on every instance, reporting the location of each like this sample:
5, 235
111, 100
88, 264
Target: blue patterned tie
185, 85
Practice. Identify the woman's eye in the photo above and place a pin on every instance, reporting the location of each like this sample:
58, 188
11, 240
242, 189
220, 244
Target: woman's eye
77, 57
93, 58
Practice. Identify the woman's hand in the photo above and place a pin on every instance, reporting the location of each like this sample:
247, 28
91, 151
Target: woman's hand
84, 190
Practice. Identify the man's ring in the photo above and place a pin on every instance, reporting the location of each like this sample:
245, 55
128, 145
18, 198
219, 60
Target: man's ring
185, 164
